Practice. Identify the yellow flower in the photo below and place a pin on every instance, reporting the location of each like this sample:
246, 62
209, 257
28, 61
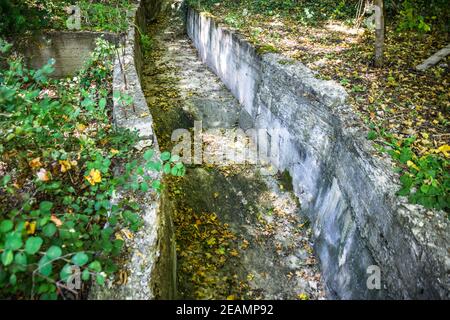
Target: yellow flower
65, 165
94, 177
114, 151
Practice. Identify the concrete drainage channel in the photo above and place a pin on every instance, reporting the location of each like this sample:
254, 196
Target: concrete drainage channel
238, 230
234, 231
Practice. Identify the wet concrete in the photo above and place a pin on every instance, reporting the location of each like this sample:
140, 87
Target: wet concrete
239, 231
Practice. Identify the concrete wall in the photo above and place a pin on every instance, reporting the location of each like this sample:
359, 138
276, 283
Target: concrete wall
69, 49
345, 187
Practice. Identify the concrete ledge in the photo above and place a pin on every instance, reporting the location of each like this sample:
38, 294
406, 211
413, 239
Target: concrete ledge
345, 187
151, 253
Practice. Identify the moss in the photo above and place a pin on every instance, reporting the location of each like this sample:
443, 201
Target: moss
286, 180
267, 48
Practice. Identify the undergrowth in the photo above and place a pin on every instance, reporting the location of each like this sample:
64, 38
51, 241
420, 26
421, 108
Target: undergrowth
58, 151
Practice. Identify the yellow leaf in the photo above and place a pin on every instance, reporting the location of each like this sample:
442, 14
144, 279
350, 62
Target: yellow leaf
65, 165
211, 241
303, 296
411, 164
123, 277
231, 297
445, 149
30, 227
35, 163
94, 177
118, 236
81, 127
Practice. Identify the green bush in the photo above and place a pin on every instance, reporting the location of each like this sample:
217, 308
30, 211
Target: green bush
58, 150
424, 180
411, 20
18, 16
421, 15
111, 16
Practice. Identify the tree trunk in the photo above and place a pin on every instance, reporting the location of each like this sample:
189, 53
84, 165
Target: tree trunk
379, 32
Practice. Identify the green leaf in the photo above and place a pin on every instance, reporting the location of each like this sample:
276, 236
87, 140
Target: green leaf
425, 188
53, 252
65, 272
102, 103
166, 168
6, 178
404, 191
45, 206
13, 241
405, 155
33, 245
148, 154
80, 259
372, 135
13, 279
49, 230
95, 266
85, 275
7, 257
144, 187
6, 226
21, 259
100, 279
45, 266
156, 184
165, 156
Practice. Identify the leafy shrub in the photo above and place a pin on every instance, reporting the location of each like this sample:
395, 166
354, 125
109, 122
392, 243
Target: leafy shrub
58, 150
411, 20
18, 16
111, 16
424, 180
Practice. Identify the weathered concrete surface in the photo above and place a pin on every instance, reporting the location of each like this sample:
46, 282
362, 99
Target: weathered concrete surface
346, 189
151, 252
69, 49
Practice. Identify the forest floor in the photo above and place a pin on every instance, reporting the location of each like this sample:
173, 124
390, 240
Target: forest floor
406, 110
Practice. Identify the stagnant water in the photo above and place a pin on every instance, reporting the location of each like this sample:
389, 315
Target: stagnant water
239, 233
